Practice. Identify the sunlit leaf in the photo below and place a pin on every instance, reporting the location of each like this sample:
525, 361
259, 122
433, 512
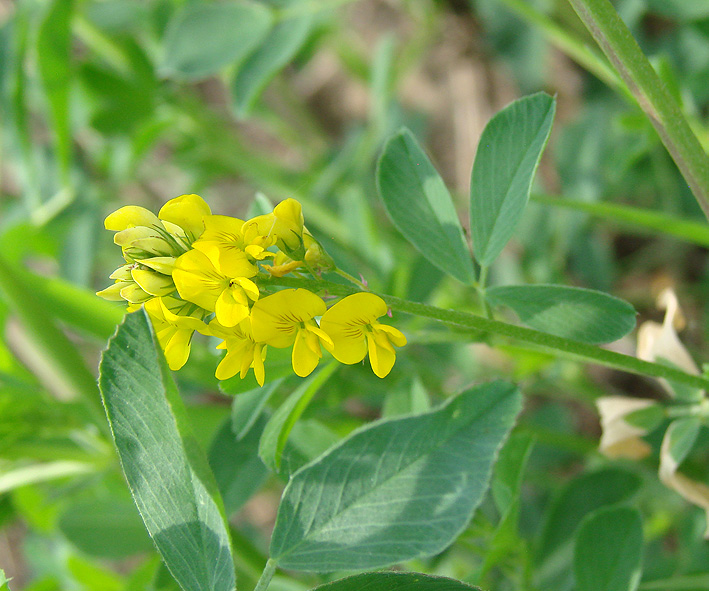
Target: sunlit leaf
420, 206
571, 312
202, 38
396, 489
166, 470
508, 154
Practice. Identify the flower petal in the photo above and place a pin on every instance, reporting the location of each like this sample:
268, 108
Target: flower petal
395, 336
230, 309
306, 355
163, 265
113, 292
275, 318
188, 212
131, 216
197, 280
381, 354
154, 283
135, 294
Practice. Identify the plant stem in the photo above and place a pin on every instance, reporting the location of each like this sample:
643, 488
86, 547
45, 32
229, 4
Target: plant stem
560, 346
352, 279
266, 575
481, 286
616, 41
658, 222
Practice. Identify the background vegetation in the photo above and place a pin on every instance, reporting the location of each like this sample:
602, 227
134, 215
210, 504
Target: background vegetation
106, 103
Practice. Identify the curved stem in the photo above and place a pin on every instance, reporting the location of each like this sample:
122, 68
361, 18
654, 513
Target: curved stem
352, 279
482, 286
561, 346
266, 576
616, 41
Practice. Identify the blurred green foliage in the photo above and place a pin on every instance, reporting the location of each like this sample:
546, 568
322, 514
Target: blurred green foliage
105, 103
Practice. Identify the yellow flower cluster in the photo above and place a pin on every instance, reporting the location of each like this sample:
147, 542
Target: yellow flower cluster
195, 271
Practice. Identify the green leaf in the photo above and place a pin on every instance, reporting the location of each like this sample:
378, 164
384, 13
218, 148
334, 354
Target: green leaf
583, 495
75, 306
166, 470
203, 37
63, 363
681, 436
238, 470
276, 50
109, 527
608, 552
571, 312
4, 581
368, 502
396, 581
53, 62
22, 475
420, 206
508, 154
509, 469
279, 426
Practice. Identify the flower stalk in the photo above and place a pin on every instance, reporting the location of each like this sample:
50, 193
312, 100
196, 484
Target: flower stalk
561, 346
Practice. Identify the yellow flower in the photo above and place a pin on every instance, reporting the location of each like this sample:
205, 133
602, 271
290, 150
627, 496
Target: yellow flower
188, 212
175, 322
177, 225
283, 227
288, 318
352, 324
138, 282
243, 352
223, 242
199, 281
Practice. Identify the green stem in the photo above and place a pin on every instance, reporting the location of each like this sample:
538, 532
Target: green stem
560, 346
680, 228
616, 41
266, 575
482, 286
352, 279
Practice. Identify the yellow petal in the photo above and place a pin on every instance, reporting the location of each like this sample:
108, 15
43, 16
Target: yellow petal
222, 229
259, 369
358, 309
197, 280
304, 357
154, 307
229, 309
248, 287
188, 212
275, 318
155, 284
345, 323
122, 273
183, 314
322, 336
381, 354
129, 217
177, 349
113, 292
134, 294
395, 336
146, 239
163, 265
